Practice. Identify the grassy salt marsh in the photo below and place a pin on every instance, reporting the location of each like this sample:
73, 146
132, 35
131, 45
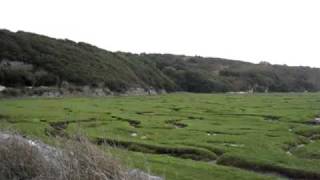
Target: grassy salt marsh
186, 136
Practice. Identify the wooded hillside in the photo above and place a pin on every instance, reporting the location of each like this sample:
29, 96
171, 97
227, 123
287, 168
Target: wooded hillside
28, 59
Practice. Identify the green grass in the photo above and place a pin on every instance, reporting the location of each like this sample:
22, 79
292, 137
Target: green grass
183, 135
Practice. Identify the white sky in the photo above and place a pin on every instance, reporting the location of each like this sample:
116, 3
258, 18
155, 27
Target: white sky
278, 31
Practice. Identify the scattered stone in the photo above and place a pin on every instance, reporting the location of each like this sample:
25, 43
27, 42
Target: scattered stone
211, 134
51, 94
289, 153
138, 174
143, 137
316, 121
99, 92
136, 92
233, 145
240, 92
134, 134
69, 89
2, 88
152, 92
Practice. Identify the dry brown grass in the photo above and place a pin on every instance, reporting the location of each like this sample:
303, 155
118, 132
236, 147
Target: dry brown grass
21, 159
86, 161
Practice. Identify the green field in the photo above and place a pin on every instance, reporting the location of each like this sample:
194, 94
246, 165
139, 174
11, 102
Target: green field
186, 136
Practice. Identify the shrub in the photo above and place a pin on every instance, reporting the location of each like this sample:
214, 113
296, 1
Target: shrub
77, 159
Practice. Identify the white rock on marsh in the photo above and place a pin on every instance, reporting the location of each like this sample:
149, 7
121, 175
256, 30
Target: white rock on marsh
316, 121
138, 174
233, 145
134, 134
2, 88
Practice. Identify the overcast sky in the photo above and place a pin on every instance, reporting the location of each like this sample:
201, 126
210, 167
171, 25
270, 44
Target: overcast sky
278, 31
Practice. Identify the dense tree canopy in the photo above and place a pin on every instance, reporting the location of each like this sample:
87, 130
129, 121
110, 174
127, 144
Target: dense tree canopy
28, 59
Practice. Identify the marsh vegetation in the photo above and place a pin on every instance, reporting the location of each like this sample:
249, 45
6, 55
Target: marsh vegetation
186, 136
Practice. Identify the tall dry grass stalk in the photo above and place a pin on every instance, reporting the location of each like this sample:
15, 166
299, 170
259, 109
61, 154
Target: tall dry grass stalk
75, 159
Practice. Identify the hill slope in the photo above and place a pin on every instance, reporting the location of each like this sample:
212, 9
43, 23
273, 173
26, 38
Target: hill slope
28, 59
